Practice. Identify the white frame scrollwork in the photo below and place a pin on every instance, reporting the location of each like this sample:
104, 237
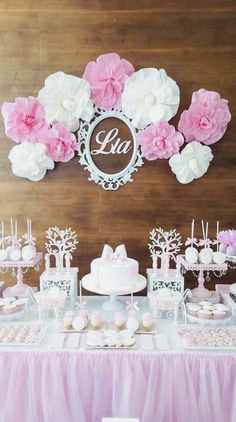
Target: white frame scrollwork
108, 181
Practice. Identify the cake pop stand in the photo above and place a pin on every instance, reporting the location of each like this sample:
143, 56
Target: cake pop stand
200, 292
19, 268
113, 304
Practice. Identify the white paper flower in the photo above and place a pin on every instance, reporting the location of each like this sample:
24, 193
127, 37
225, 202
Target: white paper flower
30, 161
191, 163
66, 99
150, 96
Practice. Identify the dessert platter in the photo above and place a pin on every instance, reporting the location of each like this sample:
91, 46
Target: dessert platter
192, 337
22, 333
114, 274
206, 313
111, 339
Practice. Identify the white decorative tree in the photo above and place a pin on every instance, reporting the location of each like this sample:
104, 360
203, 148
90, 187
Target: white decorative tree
61, 243
165, 244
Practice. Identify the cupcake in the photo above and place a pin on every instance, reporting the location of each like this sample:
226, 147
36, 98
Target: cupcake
68, 320
119, 320
147, 321
95, 320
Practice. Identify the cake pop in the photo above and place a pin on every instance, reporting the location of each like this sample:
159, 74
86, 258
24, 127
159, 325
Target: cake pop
191, 253
205, 255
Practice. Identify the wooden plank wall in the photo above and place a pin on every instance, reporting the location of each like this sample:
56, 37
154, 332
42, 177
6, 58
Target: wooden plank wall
194, 41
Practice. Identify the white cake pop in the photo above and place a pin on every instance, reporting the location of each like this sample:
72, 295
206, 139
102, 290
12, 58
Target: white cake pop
132, 323
28, 252
15, 254
191, 253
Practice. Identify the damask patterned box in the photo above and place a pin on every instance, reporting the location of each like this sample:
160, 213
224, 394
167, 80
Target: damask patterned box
66, 280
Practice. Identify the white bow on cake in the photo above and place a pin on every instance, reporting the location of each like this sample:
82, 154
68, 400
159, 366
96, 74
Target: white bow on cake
108, 254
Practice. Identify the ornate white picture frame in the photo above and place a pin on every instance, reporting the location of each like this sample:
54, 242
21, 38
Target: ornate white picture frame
108, 181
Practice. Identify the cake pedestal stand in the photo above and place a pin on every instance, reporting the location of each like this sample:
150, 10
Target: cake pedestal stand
113, 304
19, 268
200, 292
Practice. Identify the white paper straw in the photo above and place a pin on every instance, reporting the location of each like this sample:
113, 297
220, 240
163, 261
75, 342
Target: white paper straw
192, 232
203, 233
2, 235
217, 234
80, 293
16, 229
206, 234
12, 228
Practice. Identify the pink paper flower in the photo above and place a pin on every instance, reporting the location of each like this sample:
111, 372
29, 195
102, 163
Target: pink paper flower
160, 140
107, 77
24, 119
61, 144
206, 119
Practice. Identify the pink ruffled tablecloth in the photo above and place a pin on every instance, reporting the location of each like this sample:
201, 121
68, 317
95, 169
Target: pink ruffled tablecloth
63, 386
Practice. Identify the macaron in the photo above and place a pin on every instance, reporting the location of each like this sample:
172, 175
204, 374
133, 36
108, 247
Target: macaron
9, 309
20, 303
221, 307
204, 314
193, 309
218, 314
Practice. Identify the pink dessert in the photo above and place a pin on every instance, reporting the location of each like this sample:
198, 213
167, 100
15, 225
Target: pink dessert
204, 314
218, 314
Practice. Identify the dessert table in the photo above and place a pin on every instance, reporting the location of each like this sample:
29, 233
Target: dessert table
52, 383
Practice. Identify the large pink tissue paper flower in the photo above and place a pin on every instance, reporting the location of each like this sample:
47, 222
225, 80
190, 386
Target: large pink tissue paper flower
160, 140
206, 119
61, 144
107, 77
24, 120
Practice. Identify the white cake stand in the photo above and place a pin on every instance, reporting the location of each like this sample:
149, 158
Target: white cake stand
113, 304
